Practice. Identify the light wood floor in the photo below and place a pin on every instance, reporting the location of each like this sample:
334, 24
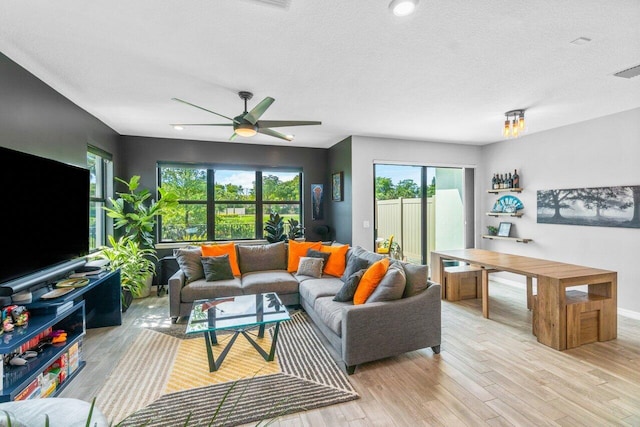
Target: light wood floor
490, 372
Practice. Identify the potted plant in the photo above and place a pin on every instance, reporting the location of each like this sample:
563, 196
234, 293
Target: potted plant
491, 230
296, 230
135, 264
274, 228
136, 213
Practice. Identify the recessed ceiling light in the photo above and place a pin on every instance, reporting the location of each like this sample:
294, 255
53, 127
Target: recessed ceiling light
178, 127
403, 7
581, 41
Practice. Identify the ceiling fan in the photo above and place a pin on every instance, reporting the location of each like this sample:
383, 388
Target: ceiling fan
248, 124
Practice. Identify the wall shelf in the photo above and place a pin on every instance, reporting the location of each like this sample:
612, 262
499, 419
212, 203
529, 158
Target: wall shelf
505, 190
514, 239
497, 214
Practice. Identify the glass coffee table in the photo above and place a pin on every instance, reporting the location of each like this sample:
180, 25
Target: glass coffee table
239, 314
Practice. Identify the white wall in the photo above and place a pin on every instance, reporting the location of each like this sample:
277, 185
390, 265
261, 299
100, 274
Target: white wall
596, 153
367, 150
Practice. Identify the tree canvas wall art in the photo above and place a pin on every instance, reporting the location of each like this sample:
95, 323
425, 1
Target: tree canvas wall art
597, 206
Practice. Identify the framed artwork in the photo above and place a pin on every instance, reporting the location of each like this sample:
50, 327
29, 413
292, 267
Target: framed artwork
504, 229
317, 194
337, 187
592, 206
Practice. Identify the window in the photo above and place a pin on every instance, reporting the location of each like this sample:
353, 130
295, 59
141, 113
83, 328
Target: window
101, 175
224, 203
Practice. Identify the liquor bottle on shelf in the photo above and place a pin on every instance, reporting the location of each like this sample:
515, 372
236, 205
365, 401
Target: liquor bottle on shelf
516, 179
493, 182
502, 182
509, 181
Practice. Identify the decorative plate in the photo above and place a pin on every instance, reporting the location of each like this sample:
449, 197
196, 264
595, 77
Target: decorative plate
72, 283
56, 293
509, 202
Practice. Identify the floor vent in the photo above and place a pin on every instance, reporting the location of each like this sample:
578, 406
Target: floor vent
629, 72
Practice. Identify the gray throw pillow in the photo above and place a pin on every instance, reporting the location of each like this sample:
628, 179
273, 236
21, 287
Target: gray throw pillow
416, 279
217, 268
262, 257
319, 254
348, 290
188, 259
354, 263
391, 286
311, 267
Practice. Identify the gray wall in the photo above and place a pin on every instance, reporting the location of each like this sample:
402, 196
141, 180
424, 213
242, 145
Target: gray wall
596, 153
340, 213
36, 119
139, 156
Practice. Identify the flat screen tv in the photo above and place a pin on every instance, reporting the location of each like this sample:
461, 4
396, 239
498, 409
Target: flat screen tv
44, 215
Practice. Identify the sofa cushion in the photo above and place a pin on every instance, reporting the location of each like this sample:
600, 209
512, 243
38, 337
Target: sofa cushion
370, 280
336, 263
314, 288
297, 250
354, 264
262, 257
391, 286
331, 313
278, 281
416, 279
348, 289
201, 289
371, 257
188, 260
310, 266
222, 249
216, 268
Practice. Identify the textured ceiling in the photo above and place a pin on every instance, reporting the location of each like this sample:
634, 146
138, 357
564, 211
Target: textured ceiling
448, 73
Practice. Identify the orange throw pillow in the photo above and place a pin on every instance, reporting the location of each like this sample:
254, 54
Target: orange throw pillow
222, 249
337, 261
298, 249
370, 281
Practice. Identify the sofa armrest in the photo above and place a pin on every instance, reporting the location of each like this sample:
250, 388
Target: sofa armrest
176, 283
383, 329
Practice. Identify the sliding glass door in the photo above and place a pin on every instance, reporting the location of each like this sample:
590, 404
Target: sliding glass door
422, 207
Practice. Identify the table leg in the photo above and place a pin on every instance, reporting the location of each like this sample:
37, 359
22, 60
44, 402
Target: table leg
485, 293
529, 292
272, 351
214, 364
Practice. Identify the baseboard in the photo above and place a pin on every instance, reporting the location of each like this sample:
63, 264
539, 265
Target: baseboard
621, 311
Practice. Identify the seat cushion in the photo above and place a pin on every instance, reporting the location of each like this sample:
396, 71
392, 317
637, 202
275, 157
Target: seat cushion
278, 281
311, 289
330, 312
201, 289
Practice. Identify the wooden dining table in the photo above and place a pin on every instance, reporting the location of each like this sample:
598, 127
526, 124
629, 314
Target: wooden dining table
553, 278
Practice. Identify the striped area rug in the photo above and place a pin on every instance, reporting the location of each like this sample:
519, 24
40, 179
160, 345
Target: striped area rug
306, 377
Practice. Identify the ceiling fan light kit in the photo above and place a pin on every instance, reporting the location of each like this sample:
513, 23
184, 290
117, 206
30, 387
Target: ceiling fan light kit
248, 124
403, 7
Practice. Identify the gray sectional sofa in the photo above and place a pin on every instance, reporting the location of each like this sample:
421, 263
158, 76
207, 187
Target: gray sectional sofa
358, 333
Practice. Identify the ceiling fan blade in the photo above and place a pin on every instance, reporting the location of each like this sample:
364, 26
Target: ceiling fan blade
233, 136
204, 109
201, 124
284, 123
271, 132
257, 111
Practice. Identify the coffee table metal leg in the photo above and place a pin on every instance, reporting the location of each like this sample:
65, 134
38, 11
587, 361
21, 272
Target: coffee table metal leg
267, 356
214, 364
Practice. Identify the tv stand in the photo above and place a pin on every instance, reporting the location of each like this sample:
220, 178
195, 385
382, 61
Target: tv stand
92, 306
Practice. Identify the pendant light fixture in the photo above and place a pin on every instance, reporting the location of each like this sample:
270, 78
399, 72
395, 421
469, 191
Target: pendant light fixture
514, 124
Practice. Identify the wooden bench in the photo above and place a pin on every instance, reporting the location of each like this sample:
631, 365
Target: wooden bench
462, 282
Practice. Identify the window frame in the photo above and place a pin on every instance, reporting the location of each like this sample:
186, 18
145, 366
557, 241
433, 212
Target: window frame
210, 202
104, 187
